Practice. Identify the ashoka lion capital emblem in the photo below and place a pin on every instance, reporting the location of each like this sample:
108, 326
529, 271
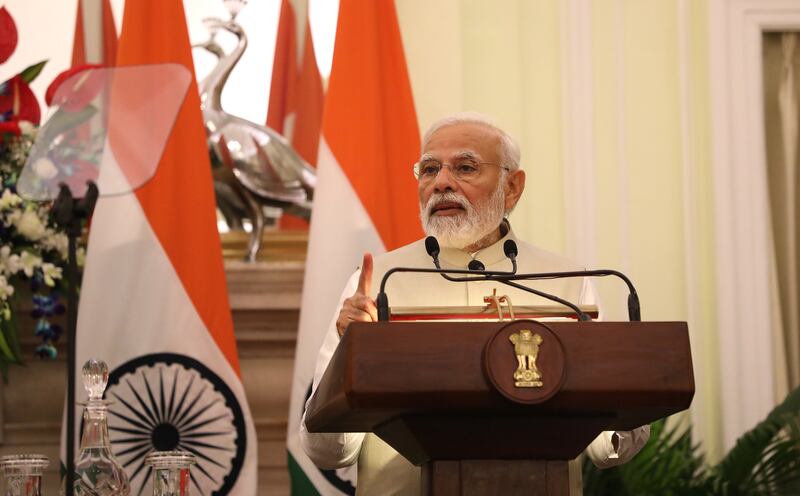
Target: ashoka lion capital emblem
526, 347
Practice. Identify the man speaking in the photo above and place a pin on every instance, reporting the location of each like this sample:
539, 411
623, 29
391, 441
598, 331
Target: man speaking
469, 181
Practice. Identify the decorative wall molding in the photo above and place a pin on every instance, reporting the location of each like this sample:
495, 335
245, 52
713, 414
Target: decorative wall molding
264, 285
578, 130
623, 169
690, 193
741, 205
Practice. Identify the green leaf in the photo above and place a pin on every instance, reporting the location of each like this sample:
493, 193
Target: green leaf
12, 336
669, 464
30, 72
764, 462
744, 470
5, 350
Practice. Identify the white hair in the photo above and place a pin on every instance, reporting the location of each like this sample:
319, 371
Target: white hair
508, 148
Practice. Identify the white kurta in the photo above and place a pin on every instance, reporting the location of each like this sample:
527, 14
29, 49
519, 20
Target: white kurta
381, 470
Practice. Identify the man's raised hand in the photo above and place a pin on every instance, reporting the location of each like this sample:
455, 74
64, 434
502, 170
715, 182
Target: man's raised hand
360, 307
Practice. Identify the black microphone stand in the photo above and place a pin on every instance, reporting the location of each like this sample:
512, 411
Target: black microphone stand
634, 307
70, 214
508, 278
382, 300
510, 249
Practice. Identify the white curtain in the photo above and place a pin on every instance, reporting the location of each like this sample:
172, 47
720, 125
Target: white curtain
781, 62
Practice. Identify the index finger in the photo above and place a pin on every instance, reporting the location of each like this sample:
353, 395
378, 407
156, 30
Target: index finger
365, 279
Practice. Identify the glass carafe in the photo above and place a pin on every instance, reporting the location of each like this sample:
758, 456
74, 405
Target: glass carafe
171, 475
23, 474
97, 471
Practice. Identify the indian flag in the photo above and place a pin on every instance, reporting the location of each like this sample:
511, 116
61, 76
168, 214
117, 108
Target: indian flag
296, 95
366, 194
154, 302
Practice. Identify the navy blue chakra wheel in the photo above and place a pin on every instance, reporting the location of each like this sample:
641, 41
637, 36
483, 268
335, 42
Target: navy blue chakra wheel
167, 401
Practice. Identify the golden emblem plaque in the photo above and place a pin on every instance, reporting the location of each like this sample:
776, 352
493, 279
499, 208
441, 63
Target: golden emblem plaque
526, 347
540, 368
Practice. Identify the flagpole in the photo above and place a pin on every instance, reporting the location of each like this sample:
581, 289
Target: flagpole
70, 215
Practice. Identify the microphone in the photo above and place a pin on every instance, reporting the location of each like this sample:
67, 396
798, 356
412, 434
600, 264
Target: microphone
432, 247
510, 249
476, 265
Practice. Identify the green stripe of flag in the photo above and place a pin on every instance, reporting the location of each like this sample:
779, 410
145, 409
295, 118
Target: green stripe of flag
301, 484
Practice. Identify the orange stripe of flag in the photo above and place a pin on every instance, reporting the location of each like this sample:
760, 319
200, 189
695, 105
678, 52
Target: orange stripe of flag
283, 91
109, 37
296, 90
369, 120
309, 99
179, 200
284, 67
79, 41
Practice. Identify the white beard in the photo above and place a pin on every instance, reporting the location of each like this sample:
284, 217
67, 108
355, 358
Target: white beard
467, 228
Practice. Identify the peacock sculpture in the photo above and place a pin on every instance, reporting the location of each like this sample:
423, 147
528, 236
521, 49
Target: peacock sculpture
255, 168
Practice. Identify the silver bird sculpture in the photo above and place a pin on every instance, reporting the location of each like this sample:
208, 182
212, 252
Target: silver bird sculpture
228, 191
254, 166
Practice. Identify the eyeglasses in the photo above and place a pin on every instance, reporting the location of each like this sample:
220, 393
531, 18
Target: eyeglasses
464, 170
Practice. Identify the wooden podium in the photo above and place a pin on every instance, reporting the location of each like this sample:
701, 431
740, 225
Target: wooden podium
443, 395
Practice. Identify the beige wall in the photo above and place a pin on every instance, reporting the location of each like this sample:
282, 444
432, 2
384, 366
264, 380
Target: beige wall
649, 151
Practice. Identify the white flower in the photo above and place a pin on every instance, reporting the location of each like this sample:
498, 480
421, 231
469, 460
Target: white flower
57, 241
26, 128
51, 273
9, 199
29, 262
30, 225
6, 289
13, 217
80, 256
45, 168
9, 263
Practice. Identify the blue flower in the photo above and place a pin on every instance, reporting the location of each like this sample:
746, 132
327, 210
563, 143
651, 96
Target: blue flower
46, 350
46, 305
44, 330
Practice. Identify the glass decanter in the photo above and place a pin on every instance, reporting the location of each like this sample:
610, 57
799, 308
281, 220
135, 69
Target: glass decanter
97, 471
23, 474
171, 475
